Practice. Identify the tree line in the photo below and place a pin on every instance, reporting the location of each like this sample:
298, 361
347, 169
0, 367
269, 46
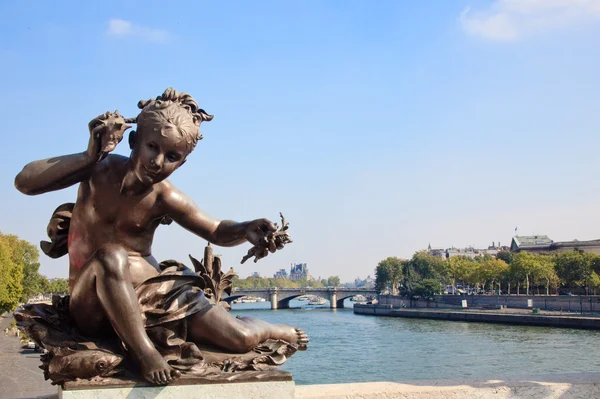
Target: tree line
20, 279
19, 273
425, 275
266, 282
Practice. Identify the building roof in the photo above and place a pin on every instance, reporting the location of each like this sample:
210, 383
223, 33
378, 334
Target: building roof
531, 241
542, 242
575, 244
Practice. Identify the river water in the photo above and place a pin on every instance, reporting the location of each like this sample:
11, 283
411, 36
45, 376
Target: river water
346, 347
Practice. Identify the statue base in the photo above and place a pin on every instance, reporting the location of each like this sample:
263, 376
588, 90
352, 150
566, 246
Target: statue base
245, 384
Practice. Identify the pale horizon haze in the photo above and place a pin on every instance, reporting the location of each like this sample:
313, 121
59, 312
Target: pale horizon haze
377, 128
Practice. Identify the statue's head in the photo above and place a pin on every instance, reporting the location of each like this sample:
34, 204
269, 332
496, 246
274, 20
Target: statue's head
168, 129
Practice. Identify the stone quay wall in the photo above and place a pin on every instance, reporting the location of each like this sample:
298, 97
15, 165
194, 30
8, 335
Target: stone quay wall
483, 316
575, 304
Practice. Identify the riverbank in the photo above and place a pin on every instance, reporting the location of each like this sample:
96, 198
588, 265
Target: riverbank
503, 316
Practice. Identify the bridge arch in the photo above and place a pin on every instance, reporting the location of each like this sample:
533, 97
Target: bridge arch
280, 297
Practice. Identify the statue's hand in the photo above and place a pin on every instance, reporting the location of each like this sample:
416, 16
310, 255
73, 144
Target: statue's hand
265, 238
106, 131
260, 233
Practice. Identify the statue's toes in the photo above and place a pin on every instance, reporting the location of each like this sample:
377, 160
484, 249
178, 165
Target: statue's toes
302, 347
301, 339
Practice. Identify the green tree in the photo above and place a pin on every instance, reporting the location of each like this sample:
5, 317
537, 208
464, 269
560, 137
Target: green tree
594, 282
315, 284
595, 262
574, 268
262, 282
545, 273
427, 288
44, 285
30, 256
476, 275
458, 268
429, 266
11, 276
59, 285
506, 256
523, 265
486, 271
410, 280
493, 270
333, 281
388, 274
515, 275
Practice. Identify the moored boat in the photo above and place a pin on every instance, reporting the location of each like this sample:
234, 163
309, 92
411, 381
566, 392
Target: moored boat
315, 301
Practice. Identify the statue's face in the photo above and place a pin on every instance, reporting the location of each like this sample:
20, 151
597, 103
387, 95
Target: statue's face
158, 151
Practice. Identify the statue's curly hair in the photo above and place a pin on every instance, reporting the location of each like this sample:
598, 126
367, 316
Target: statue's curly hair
178, 109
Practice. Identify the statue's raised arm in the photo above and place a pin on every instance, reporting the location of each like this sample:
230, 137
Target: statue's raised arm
51, 174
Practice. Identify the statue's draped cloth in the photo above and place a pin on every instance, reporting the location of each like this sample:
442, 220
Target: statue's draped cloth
166, 301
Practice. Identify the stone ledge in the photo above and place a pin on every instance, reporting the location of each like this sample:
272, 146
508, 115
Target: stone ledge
249, 390
563, 386
555, 386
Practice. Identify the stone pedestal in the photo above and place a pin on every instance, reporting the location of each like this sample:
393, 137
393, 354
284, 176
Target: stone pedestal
250, 385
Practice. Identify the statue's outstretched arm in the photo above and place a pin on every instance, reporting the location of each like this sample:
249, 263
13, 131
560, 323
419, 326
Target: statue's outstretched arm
185, 212
52, 174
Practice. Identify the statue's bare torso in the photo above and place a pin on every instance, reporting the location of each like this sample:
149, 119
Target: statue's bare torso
104, 215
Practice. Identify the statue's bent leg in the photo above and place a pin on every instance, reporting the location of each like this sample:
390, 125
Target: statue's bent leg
239, 335
104, 291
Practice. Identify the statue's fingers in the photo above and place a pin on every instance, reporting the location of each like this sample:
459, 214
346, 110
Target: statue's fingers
97, 120
270, 226
97, 130
109, 147
272, 245
260, 253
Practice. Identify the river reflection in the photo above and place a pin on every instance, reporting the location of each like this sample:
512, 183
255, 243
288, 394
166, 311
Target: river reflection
346, 347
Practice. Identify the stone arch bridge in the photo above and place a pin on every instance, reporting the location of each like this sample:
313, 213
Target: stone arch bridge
280, 297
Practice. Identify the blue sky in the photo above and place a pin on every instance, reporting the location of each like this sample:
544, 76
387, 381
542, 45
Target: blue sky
375, 127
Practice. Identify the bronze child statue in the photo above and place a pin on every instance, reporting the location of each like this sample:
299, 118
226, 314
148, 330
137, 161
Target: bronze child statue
120, 203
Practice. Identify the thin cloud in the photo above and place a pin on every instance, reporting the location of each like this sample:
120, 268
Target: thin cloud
509, 20
124, 28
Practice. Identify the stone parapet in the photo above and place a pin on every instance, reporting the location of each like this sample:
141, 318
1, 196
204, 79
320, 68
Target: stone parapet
569, 386
563, 386
573, 304
247, 390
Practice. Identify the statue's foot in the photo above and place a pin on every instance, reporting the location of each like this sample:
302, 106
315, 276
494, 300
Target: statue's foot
156, 370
